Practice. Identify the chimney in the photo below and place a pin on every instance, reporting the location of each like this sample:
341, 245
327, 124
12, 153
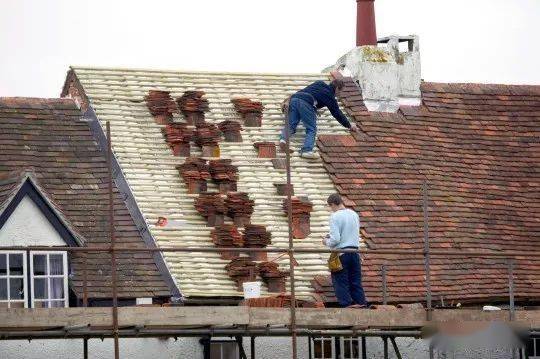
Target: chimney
387, 74
366, 31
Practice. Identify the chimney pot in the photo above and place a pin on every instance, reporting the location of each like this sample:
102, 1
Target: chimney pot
366, 32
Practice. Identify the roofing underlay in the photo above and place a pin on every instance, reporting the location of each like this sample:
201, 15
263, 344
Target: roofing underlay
117, 95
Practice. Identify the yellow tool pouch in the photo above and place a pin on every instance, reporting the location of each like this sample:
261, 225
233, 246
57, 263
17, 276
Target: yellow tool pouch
334, 263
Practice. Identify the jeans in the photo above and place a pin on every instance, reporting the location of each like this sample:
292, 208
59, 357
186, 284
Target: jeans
300, 110
348, 281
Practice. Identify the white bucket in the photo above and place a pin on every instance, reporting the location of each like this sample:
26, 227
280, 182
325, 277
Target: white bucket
252, 289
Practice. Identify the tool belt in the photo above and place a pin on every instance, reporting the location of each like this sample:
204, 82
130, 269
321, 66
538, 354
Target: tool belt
334, 263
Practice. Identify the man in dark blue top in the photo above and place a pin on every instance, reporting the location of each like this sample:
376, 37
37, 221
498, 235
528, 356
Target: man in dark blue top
303, 106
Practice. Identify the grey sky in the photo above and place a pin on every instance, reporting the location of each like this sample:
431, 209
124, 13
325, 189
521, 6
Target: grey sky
461, 40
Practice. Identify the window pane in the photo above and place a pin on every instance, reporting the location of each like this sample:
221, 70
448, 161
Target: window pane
327, 348
56, 264
3, 288
16, 289
16, 264
40, 288
57, 288
229, 351
40, 264
3, 264
215, 351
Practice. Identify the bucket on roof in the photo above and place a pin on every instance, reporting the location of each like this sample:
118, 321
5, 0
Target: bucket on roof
252, 289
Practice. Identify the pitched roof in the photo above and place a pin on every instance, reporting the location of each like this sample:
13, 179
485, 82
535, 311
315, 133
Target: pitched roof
117, 95
477, 147
49, 139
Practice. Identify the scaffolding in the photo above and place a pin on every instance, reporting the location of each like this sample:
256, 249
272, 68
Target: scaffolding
299, 322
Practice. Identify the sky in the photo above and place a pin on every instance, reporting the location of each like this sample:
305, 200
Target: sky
488, 41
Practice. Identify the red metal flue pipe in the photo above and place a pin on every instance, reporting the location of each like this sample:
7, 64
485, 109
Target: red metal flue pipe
366, 31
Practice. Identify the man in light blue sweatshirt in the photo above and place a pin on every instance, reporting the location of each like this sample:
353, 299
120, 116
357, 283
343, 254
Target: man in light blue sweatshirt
345, 234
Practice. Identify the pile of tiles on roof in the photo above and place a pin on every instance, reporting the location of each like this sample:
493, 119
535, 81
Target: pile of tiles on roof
177, 136
273, 277
193, 105
265, 149
324, 290
242, 270
231, 130
251, 111
212, 207
301, 208
207, 137
256, 236
239, 207
227, 235
195, 172
225, 174
161, 105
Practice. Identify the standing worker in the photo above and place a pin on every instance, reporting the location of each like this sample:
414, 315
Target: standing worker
345, 267
303, 106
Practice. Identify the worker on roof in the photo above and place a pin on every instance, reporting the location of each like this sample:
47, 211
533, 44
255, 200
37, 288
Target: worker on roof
345, 268
303, 106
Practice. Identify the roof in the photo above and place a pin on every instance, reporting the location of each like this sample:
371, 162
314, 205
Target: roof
49, 140
477, 147
117, 95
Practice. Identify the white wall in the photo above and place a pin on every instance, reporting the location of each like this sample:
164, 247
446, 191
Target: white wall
266, 348
28, 226
189, 348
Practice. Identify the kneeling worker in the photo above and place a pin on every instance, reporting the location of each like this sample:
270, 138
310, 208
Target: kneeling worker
345, 234
303, 106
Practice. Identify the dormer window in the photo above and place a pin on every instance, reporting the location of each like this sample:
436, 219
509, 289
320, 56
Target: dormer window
33, 279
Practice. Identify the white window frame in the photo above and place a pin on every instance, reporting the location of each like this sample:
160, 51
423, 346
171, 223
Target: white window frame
48, 276
8, 276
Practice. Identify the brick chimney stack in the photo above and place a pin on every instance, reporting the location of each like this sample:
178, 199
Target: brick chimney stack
366, 31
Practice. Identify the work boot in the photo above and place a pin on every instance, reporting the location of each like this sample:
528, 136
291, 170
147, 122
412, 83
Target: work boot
283, 146
310, 155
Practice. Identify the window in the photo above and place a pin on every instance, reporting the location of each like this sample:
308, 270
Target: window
48, 273
350, 348
47, 285
224, 350
326, 348
13, 279
533, 348
323, 348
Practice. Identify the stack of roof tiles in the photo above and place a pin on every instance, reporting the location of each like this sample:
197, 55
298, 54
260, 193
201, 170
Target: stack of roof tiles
301, 208
239, 207
207, 136
195, 172
211, 206
231, 130
224, 173
193, 105
177, 136
477, 148
251, 111
266, 149
227, 235
273, 277
256, 236
242, 270
161, 105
